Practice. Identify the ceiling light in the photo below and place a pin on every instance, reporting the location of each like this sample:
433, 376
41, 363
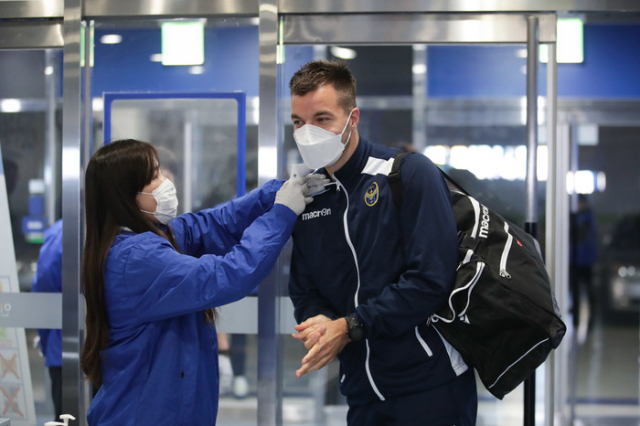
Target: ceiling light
183, 43
97, 104
10, 105
569, 42
419, 69
343, 52
111, 39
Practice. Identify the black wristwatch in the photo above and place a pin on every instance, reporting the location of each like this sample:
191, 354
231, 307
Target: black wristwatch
355, 331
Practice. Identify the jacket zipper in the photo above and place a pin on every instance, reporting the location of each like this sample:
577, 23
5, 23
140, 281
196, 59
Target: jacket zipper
355, 259
424, 345
505, 254
349, 243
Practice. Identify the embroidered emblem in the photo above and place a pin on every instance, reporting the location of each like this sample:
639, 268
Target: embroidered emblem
371, 196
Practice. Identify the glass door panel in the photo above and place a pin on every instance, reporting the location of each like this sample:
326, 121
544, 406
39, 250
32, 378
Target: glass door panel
605, 267
30, 111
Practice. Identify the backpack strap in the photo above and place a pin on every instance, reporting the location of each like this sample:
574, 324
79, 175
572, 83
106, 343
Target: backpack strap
453, 184
394, 179
396, 184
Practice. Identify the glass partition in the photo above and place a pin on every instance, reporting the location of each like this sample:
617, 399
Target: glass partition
201, 140
30, 113
605, 279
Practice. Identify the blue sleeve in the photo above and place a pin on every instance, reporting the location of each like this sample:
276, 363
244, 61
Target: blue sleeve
166, 284
216, 230
48, 279
431, 252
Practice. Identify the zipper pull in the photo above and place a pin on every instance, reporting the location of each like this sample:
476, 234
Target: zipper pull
505, 274
338, 184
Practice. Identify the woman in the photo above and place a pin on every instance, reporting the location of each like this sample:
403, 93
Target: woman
151, 281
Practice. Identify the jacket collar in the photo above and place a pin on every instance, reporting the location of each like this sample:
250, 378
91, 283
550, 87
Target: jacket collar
354, 166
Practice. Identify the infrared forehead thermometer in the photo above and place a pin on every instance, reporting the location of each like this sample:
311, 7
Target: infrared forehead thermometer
299, 170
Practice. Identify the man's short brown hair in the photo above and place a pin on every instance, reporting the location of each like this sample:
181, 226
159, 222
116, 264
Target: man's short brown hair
315, 74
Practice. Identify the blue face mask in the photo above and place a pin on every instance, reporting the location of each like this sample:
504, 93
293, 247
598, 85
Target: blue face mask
167, 201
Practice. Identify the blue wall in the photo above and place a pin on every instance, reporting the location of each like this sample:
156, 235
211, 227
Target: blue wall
231, 63
610, 69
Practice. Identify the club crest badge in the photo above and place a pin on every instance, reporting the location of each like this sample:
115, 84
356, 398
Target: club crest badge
372, 194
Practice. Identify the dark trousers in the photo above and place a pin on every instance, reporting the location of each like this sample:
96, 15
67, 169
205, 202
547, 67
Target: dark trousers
56, 389
238, 353
454, 403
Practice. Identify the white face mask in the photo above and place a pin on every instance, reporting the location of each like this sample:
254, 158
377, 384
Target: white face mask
167, 201
319, 147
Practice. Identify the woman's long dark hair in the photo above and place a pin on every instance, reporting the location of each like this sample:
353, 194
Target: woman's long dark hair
116, 173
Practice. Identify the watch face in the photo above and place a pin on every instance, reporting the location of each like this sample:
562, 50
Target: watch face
355, 333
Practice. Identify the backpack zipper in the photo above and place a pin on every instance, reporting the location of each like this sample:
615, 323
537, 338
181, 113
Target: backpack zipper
467, 289
355, 259
505, 253
476, 210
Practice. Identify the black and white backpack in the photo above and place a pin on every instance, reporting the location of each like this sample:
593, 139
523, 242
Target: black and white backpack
501, 315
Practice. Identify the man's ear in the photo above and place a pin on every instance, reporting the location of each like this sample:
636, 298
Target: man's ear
355, 117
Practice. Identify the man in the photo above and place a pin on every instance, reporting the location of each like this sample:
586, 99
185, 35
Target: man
366, 277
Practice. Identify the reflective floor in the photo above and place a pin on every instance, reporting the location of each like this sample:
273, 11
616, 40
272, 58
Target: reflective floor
607, 389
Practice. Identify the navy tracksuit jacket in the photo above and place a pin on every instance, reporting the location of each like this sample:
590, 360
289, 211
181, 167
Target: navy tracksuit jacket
353, 252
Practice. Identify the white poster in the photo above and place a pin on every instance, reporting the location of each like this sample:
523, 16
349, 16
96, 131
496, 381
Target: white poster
16, 395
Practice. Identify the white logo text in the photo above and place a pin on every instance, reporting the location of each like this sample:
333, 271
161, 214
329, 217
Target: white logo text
484, 225
317, 213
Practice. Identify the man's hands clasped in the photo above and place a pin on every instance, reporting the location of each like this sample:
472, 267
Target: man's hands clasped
323, 338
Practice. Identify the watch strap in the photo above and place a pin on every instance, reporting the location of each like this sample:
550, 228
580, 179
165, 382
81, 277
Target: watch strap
355, 330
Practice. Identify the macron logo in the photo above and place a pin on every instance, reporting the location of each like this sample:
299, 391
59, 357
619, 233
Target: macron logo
316, 214
484, 225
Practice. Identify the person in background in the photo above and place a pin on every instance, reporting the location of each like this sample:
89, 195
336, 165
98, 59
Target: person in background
365, 276
151, 281
583, 258
48, 279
